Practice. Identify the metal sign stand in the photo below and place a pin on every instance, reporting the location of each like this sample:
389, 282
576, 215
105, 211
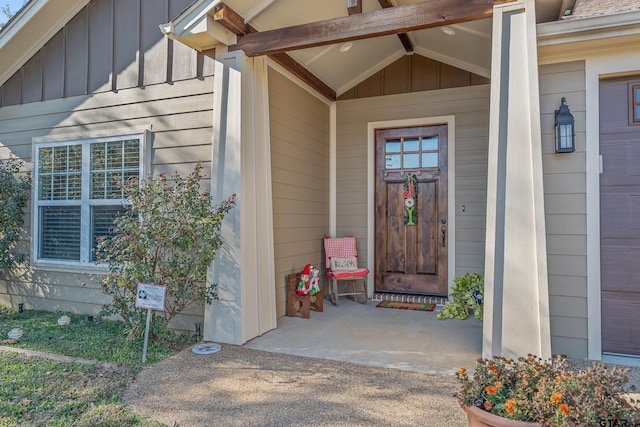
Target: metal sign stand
146, 336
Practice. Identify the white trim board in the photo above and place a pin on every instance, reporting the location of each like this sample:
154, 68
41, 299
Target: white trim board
606, 65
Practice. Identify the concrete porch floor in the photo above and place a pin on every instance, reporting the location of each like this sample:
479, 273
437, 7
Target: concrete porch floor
390, 338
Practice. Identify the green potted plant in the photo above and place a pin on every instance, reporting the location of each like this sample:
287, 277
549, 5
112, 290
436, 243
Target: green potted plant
466, 297
532, 392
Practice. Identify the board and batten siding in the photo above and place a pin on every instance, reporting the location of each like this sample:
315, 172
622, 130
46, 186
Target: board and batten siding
566, 209
299, 125
470, 106
109, 45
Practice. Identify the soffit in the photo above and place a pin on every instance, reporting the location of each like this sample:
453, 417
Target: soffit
469, 48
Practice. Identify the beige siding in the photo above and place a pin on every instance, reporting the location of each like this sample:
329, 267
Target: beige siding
470, 106
300, 176
180, 116
565, 207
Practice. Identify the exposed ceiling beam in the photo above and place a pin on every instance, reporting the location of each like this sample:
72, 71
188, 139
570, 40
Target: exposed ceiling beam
354, 6
295, 68
393, 20
230, 19
404, 38
235, 23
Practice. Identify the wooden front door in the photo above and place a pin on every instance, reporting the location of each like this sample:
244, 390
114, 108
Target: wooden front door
620, 215
411, 231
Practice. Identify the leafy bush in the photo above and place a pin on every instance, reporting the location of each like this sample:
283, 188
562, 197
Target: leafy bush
169, 237
14, 194
467, 294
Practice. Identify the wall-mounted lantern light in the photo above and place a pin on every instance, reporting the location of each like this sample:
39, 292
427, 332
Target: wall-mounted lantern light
565, 135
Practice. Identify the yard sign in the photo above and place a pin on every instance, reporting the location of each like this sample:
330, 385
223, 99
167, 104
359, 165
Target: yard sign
151, 297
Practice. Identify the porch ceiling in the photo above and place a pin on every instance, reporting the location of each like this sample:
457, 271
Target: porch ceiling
468, 48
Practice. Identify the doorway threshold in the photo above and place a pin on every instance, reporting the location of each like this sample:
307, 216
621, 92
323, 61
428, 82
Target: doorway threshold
439, 301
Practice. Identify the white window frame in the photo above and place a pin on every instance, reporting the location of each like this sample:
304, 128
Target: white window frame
85, 263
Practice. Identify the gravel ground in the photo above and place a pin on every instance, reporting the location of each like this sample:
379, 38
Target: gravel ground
243, 387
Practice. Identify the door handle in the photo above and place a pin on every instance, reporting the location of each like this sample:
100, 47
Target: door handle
444, 232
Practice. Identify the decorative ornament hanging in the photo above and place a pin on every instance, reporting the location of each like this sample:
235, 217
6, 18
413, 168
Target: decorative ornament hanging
410, 198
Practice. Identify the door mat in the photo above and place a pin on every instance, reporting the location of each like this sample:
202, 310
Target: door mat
407, 305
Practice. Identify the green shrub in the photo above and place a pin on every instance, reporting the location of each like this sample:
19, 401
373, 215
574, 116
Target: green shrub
169, 236
14, 194
467, 295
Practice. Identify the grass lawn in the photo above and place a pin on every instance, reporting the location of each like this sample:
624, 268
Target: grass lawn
40, 392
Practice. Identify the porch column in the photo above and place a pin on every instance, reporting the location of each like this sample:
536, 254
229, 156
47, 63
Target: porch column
241, 164
516, 310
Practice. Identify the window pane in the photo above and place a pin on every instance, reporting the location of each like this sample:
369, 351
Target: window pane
412, 144
59, 187
45, 159
102, 218
131, 154
638, 113
114, 155
122, 161
60, 232
60, 159
393, 161
392, 146
411, 161
59, 173
98, 184
98, 156
75, 158
44, 187
114, 191
130, 177
430, 143
429, 160
75, 186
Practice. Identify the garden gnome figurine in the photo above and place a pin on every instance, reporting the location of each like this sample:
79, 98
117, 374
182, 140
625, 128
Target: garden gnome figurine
304, 286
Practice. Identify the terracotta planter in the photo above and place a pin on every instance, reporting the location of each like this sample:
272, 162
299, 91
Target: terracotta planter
480, 418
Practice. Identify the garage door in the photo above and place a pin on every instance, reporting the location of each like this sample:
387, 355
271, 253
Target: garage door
620, 214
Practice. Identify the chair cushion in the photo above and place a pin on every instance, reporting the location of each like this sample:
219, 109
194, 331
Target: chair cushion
346, 275
344, 264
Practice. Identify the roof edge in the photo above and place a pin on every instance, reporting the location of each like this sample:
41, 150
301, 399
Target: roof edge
589, 28
31, 28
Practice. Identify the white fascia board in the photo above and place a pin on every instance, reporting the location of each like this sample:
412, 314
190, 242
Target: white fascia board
14, 26
591, 28
197, 29
31, 29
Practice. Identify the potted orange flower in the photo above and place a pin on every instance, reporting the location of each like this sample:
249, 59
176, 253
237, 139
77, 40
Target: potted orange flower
530, 391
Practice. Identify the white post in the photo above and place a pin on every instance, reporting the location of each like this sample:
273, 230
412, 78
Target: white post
516, 320
241, 164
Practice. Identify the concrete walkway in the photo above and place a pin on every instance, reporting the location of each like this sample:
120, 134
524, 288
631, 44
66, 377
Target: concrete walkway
365, 334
